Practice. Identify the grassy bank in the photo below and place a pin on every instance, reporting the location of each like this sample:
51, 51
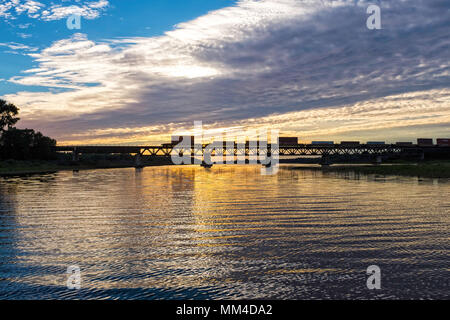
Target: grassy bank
10, 167
14, 167
29, 167
429, 169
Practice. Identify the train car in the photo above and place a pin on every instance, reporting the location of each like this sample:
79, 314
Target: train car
255, 143
443, 142
424, 142
167, 145
376, 143
288, 141
178, 139
227, 144
323, 142
350, 143
404, 144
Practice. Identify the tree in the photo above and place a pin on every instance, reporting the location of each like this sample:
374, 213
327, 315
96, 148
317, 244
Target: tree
26, 145
8, 113
22, 144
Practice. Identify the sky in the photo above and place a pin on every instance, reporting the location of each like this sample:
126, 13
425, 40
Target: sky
138, 71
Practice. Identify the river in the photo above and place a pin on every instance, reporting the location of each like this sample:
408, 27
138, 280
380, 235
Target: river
223, 233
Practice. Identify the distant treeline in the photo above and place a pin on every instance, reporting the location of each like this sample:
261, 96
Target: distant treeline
21, 144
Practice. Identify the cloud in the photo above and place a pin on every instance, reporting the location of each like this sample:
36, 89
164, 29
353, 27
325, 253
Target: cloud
90, 10
392, 118
23, 48
31, 8
24, 26
312, 63
11, 9
24, 35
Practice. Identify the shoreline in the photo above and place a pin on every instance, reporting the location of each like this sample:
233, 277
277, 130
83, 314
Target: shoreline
25, 168
427, 169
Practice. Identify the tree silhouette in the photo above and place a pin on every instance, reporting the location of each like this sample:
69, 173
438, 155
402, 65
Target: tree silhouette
22, 144
8, 113
26, 144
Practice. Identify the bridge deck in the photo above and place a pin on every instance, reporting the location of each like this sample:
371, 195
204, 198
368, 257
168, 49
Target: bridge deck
282, 150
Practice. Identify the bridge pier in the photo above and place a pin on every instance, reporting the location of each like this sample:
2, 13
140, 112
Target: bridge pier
207, 161
325, 161
378, 160
206, 165
75, 155
138, 161
422, 156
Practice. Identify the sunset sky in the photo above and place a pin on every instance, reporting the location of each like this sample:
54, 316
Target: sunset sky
138, 71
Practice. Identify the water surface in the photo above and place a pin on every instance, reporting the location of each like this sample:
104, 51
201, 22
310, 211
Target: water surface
223, 233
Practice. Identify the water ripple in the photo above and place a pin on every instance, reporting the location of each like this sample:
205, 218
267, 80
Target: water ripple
224, 233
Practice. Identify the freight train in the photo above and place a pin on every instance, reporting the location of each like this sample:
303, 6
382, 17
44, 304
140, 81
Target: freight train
293, 141
421, 142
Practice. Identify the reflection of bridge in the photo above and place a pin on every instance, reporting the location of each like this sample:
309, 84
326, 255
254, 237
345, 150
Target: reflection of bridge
249, 150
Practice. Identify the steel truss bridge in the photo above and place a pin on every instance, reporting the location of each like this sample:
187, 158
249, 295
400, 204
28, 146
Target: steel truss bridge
246, 150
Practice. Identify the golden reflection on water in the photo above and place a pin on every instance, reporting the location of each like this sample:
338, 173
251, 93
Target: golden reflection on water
186, 232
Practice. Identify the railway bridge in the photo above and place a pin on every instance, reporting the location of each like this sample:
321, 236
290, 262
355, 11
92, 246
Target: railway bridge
247, 150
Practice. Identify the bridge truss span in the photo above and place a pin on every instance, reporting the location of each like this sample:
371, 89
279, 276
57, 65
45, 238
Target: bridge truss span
239, 150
